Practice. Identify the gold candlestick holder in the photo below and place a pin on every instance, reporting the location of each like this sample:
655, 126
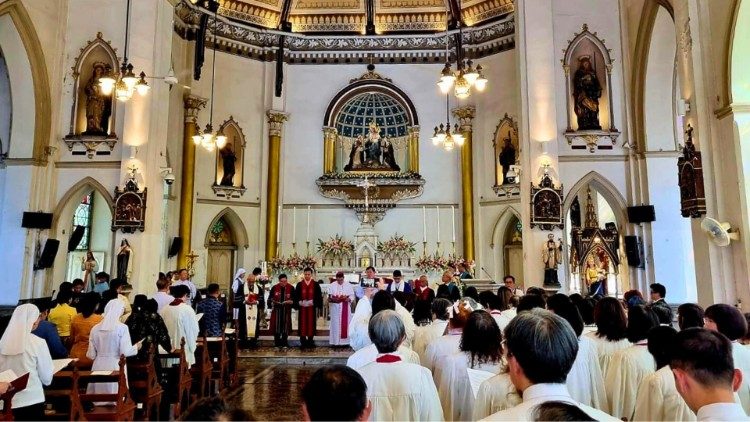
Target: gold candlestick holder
453, 247
438, 247
307, 247
424, 248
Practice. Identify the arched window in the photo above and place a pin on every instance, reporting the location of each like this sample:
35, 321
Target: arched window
82, 217
6, 113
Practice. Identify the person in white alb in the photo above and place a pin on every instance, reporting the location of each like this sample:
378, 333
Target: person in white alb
184, 280
22, 352
340, 298
162, 296
449, 343
182, 322
729, 321
705, 375
611, 331
540, 349
398, 390
495, 394
425, 334
358, 331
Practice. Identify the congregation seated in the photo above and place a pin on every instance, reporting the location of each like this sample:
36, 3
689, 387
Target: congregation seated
48, 331
81, 326
62, 313
78, 286
335, 393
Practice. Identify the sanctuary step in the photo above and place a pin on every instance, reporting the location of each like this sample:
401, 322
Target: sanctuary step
321, 355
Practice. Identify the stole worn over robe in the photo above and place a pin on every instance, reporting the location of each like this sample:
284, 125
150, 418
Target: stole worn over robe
307, 316
454, 386
181, 322
626, 371
495, 394
368, 355
585, 380
741, 355
105, 348
281, 315
425, 334
248, 316
605, 349
658, 399
401, 391
341, 313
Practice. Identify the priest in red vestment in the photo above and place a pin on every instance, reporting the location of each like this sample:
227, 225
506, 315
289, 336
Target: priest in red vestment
281, 300
308, 298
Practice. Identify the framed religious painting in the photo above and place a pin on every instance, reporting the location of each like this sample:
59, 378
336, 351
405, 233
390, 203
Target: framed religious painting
130, 208
546, 204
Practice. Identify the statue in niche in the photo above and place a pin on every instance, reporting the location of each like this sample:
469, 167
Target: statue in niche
586, 93
124, 261
575, 213
507, 157
98, 105
228, 161
389, 157
372, 147
356, 155
551, 256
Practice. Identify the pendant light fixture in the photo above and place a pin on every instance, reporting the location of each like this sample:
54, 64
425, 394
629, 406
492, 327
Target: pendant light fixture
126, 83
208, 139
443, 135
466, 75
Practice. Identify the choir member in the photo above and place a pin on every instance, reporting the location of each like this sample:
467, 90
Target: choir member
109, 340
80, 328
611, 331
449, 343
425, 334
705, 375
397, 390
728, 320
182, 322
308, 298
23, 352
690, 315
495, 394
184, 280
631, 365
540, 349
358, 330
340, 298
280, 300
335, 393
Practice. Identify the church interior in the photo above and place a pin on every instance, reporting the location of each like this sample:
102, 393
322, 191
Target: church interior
589, 148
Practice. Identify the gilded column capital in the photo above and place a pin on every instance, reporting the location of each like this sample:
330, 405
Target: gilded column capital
193, 104
465, 115
330, 132
414, 131
276, 121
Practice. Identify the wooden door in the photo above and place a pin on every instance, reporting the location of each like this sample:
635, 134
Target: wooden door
220, 267
514, 262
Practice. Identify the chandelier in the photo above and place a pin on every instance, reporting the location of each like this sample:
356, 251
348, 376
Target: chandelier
208, 139
126, 83
443, 134
466, 75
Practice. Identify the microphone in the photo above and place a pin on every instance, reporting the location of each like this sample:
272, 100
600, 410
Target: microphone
487, 274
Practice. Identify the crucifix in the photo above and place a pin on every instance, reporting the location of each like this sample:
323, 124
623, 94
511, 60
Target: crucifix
366, 185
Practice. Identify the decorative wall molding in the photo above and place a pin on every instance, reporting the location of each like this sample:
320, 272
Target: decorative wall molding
226, 202
88, 164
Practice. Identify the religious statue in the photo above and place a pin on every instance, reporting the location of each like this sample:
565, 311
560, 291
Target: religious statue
124, 261
89, 266
551, 256
228, 160
372, 147
586, 93
594, 275
507, 157
98, 105
357, 154
389, 157
575, 213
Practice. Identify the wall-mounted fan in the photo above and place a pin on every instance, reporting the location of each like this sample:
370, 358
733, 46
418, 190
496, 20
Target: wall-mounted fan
721, 234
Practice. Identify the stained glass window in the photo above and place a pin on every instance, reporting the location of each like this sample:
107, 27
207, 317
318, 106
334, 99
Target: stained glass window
355, 116
82, 217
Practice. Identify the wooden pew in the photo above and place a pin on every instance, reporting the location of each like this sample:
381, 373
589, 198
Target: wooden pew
217, 353
233, 349
178, 379
144, 386
201, 371
62, 396
7, 398
124, 406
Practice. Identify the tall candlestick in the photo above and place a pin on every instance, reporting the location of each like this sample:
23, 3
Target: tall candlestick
437, 211
453, 222
278, 227
294, 224
308, 225
424, 224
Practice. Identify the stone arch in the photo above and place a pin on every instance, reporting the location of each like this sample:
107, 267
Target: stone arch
236, 225
75, 191
502, 221
38, 69
605, 188
499, 256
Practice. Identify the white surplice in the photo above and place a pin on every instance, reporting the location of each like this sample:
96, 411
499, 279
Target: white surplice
722, 412
105, 348
341, 314
605, 349
541, 393
358, 334
741, 355
425, 334
368, 354
401, 391
454, 386
495, 394
658, 399
162, 299
585, 380
439, 348
626, 371
181, 322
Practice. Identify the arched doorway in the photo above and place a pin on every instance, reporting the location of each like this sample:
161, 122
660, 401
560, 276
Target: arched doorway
224, 236
513, 249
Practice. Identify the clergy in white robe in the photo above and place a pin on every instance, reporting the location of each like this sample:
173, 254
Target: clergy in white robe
448, 344
425, 334
658, 399
495, 394
109, 340
730, 321
585, 380
368, 354
398, 390
340, 298
626, 372
182, 322
358, 335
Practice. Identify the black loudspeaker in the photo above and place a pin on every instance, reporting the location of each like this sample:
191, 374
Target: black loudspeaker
641, 214
36, 220
48, 254
634, 251
175, 248
75, 238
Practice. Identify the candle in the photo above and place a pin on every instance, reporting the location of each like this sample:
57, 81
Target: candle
424, 224
437, 211
308, 224
294, 224
453, 222
278, 227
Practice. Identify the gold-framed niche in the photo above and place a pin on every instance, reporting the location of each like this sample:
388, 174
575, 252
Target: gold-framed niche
371, 137
93, 115
230, 157
506, 150
587, 64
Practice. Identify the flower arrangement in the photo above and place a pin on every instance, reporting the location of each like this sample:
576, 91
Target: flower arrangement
309, 261
292, 263
336, 247
397, 247
454, 261
277, 265
440, 263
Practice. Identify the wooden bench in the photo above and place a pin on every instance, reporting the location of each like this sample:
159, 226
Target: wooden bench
7, 398
144, 386
178, 379
217, 353
233, 349
201, 371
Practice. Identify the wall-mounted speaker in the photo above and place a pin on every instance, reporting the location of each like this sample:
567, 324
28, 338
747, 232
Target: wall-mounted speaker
36, 220
175, 247
641, 214
634, 251
47, 259
75, 238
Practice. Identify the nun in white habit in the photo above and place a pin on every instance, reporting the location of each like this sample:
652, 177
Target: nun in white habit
109, 340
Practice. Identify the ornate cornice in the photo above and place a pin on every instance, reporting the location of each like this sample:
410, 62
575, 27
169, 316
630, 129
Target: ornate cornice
246, 40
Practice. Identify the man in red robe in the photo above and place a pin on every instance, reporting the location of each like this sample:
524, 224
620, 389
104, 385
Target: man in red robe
281, 299
308, 298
